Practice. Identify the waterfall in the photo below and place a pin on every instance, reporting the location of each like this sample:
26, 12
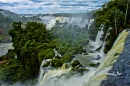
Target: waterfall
42, 71
111, 57
90, 22
101, 53
50, 20
63, 77
98, 41
47, 76
56, 53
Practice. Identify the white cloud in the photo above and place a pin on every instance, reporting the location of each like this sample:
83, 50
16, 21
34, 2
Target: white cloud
50, 6
12, 1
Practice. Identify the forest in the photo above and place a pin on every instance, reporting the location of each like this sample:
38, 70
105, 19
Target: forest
33, 43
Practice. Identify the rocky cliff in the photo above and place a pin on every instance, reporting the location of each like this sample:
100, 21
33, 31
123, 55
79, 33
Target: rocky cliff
115, 67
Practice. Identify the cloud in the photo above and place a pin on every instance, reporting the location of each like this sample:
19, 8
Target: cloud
11, 1
50, 6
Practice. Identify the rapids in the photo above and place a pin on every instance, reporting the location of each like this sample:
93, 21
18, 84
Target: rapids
64, 76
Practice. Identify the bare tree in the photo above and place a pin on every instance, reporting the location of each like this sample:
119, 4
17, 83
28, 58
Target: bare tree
126, 11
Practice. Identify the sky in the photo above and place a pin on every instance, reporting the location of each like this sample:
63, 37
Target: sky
50, 6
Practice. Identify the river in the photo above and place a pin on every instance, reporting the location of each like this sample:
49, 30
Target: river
4, 47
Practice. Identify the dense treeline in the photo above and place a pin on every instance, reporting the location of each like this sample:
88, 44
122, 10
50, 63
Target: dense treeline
69, 40
114, 14
29, 41
33, 43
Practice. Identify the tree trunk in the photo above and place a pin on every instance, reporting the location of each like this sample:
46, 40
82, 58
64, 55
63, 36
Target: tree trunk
116, 27
115, 23
126, 12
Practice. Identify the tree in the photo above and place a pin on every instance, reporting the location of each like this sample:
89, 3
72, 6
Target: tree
126, 11
29, 42
117, 18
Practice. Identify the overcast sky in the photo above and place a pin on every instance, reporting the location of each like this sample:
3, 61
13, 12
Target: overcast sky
50, 6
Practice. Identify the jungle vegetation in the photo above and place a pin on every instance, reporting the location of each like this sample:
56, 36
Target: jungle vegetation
33, 43
114, 14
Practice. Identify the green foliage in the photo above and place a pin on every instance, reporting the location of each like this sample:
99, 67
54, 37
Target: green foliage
94, 64
110, 39
12, 71
76, 66
75, 63
112, 14
70, 39
32, 44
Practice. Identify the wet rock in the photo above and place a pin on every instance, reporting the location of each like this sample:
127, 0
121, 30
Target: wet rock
98, 57
121, 69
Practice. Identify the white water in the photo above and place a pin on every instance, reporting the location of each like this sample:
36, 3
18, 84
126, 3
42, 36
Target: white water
97, 44
51, 20
90, 22
98, 41
56, 53
85, 60
42, 71
63, 77
4, 47
101, 53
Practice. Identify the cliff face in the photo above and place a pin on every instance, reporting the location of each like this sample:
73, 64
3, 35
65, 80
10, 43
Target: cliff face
115, 67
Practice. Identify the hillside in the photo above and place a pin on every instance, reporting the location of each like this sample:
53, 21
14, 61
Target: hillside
6, 20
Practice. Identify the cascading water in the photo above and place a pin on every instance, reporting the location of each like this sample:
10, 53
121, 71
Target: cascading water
108, 63
65, 77
98, 41
101, 52
51, 20
90, 22
42, 71
56, 53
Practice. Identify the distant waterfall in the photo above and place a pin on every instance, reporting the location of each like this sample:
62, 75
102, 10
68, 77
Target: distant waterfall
51, 20
90, 23
79, 21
